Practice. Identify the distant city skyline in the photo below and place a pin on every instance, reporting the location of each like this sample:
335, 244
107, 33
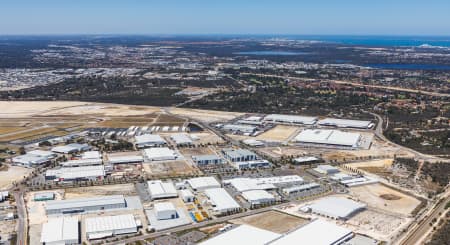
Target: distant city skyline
177, 17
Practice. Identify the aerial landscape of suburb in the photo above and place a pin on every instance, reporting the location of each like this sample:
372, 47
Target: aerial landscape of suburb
188, 122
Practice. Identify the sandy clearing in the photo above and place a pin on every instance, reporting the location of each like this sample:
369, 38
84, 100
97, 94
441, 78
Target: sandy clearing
278, 133
370, 194
385, 163
105, 190
14, 173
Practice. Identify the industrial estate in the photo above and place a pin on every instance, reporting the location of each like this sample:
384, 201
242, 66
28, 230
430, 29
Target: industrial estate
115, 174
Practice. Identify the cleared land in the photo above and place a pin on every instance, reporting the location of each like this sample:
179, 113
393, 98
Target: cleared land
93, 191
381, 197
278, 133
14, 173
168, 168
272, 220
377, 224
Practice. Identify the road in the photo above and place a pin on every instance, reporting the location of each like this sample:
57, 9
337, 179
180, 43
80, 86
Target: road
22, 230
416, 233
378, 131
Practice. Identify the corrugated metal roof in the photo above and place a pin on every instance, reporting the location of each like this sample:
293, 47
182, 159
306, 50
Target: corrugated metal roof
60, 230
110, 223
84, 202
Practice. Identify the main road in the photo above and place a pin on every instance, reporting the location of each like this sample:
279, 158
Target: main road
22, 230
422, 228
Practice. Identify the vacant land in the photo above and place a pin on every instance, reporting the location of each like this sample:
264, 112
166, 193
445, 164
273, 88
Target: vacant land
168, 168
14, 173
272, 220
377, 224
93, 191
278, 133
385, 198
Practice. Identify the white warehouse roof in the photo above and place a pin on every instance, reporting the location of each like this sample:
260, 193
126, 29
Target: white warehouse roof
160, 154
345, 123
328, 137
318, 232
181, 139
62, 230
258, 196
201, 183
243, 234
336, 207
77, 172
159, 189
291, 119
246, 184
84, 202
149, 140
125, 159
91, 155
110, 224
222, 201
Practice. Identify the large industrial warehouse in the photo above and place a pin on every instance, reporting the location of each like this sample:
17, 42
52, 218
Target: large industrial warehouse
339, 208
243, 234
76, 173
222, 202
345, 123
101, 227
149, 140
291, 119
81, 205
203, 183
317, 232
160, 154
329, 137
258, 197
61, 230
160, 190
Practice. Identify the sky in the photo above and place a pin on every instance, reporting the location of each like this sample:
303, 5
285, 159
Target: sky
313, 17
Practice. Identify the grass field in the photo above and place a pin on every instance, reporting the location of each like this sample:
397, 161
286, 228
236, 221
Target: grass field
31, 134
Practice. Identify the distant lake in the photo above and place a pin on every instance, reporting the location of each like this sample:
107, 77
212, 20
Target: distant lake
409, 66
271, 53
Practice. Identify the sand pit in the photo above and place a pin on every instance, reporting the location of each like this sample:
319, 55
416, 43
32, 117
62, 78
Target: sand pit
14, 173
390, 197
385, 198
278, 133
272, 220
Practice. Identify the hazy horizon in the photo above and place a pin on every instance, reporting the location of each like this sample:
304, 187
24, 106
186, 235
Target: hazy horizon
201, 17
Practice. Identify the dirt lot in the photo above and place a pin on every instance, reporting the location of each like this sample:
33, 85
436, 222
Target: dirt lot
279, 151
170, 168
375, 196
93, 191
278, 133
14, 173
272, 220
206, 137
376, 224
